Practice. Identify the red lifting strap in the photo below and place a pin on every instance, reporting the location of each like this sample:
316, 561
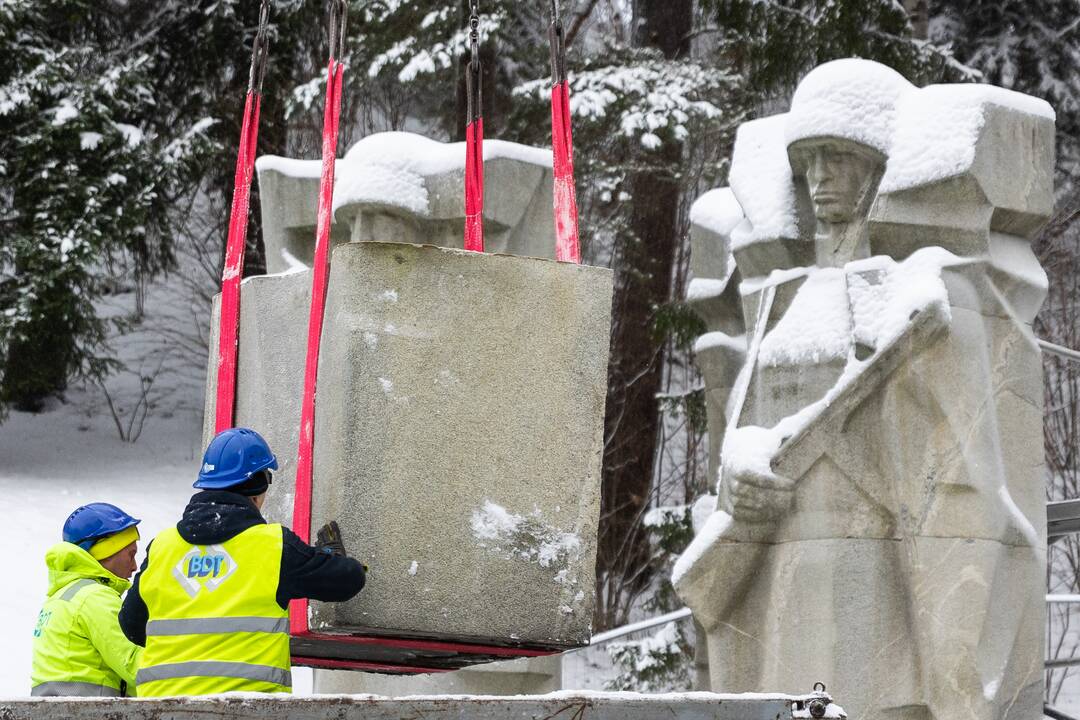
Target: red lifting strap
229, 324
567, 248
474, 185
298, 621
474, 139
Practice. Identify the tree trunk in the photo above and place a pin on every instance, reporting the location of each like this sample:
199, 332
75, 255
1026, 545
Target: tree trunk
643, 269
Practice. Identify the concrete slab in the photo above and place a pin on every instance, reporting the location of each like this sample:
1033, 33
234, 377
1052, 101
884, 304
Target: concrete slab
585, 706
458, 436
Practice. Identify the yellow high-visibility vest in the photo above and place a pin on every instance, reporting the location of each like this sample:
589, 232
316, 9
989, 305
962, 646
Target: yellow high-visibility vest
214, 622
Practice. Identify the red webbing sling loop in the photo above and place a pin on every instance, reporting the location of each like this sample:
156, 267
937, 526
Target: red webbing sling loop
474, 139
229, 323
567, 247
298, 621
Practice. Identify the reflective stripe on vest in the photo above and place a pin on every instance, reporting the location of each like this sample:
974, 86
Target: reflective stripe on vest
212, 668
214, 623
207, 626
77, 689
74, 589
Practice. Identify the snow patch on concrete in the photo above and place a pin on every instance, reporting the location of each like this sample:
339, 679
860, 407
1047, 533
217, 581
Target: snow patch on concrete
938, 128
526, 537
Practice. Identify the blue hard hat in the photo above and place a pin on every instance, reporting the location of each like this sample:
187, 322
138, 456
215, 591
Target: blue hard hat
232, 457
90, 523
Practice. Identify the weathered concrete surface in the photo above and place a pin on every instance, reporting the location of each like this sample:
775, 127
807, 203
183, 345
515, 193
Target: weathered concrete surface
458, 434
587, 706
288, 202
270, 371
460, 448
881, 504
525, 676
713, 294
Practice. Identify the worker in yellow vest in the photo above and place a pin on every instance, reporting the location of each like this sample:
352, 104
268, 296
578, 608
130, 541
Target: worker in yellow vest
78, 646
210, 603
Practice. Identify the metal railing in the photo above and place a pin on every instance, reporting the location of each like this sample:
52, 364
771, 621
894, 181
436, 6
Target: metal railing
1055, 714
624, 630
1059, 350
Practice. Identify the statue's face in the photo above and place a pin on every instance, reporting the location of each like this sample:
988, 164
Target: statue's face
837, 173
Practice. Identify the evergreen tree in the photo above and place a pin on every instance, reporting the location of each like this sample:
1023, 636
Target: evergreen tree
407, 58
151, 92
773, 43
85, 189
1031, 46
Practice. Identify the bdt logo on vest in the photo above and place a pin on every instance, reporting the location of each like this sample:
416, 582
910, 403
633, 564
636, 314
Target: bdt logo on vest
205, 565
204, 568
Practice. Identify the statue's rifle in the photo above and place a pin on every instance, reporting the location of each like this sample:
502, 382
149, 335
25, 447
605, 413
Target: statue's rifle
744, 541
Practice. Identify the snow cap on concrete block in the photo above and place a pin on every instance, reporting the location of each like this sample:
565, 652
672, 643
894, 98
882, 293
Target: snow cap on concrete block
717, 211
289, 167
394, 170
383, 186
431, 157
762, 182
851, 99
938, 129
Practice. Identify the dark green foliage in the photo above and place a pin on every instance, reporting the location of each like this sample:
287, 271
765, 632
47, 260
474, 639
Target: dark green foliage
1032, 46
656, 664
680, 323
773, 43
85, 185
113, 115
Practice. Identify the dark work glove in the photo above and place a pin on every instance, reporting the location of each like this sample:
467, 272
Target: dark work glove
330, 541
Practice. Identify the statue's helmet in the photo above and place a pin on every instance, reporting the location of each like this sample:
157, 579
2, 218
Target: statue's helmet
851, 99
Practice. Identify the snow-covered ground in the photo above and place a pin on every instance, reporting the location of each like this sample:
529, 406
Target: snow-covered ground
72, 454
54, 462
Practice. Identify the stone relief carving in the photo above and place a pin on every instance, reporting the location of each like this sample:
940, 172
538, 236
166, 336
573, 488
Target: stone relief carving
879, 524
402, 187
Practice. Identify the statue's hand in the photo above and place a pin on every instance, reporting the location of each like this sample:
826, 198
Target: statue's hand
755, 497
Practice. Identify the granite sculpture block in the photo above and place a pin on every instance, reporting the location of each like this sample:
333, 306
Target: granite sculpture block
880, 522
459, 409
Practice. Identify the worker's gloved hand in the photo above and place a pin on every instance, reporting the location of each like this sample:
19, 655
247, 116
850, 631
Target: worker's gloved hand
330, 541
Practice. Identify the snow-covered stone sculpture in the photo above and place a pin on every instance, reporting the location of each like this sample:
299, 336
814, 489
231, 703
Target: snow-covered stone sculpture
459, 414
402, 187
880, 524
